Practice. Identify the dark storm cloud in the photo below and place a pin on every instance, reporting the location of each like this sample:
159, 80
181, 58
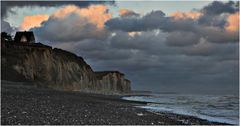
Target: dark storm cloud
148, 22
144, 41
151, 64
148, 51
214, 13
213, 20
7, 5
182, 38
218, 52
218, 35
95, 50
210, 26
218, 7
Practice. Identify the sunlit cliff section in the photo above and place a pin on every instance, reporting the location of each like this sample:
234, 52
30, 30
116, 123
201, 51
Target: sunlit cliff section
57, 69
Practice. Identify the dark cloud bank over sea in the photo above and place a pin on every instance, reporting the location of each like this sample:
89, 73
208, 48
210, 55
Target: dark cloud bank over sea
7, 5
188, 55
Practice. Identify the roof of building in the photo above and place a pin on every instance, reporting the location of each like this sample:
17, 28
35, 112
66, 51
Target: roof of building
28, 34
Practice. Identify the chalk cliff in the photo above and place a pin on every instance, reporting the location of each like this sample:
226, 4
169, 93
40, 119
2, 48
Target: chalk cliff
113, 81
56, 69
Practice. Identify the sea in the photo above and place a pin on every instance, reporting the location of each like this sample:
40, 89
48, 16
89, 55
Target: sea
215, 108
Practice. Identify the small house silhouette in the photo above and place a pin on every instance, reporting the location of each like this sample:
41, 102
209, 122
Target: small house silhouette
24, 37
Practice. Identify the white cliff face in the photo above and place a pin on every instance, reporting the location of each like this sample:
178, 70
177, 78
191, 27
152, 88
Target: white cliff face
113, 81
57, 69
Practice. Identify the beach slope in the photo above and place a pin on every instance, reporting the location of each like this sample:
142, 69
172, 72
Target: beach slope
26, 104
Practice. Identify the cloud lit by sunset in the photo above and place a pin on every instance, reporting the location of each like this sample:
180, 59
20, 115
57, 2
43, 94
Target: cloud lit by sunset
127, 12
33, 21
184, 15
233, 23
95, 14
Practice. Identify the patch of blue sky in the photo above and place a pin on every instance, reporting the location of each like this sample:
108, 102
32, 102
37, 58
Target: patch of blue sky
16, 18
167, 7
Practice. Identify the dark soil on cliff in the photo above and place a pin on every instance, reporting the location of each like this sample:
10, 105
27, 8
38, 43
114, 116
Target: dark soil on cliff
22, 104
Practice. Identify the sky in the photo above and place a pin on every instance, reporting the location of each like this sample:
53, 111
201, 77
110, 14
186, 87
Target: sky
174, 46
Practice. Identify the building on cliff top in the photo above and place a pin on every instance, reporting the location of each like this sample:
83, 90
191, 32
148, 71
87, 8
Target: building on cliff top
24, 37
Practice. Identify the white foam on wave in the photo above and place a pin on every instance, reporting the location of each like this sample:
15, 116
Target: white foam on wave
223, 109
182, 112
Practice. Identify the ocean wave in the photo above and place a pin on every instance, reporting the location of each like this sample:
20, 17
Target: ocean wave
210, 107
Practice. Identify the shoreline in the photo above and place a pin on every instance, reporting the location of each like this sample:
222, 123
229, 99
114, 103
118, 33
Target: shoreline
30, 105
158, 111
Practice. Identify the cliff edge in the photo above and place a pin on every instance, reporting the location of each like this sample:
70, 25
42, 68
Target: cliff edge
56, 69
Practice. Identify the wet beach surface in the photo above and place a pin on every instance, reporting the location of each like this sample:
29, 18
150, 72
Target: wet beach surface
21, 104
